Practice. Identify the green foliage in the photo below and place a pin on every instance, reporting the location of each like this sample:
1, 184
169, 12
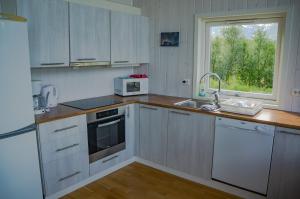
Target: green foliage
244, 64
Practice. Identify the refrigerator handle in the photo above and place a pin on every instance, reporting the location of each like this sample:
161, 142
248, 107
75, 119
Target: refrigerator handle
24, 130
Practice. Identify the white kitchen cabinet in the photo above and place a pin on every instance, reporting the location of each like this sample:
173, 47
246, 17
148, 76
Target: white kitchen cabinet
89, 34
284, 176
123, 39
153, 134
63, 148
190, 143
143, 40
48, 30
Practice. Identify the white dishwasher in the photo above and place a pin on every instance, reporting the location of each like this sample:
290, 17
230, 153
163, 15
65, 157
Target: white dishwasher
242, 154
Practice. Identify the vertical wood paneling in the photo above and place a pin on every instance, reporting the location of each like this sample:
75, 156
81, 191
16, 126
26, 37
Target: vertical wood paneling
234, 5
256, 4
219, 6
75, 84
169, 66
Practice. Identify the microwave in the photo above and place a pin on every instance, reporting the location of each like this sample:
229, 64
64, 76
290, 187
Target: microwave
130, 86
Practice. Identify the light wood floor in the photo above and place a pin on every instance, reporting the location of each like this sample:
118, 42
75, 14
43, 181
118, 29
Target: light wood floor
138, 181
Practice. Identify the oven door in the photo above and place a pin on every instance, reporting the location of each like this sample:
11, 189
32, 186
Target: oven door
133, 87
106, 137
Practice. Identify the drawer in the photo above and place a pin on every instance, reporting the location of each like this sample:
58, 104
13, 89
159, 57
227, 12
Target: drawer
57, 130
65, 172
108, 162
60, 148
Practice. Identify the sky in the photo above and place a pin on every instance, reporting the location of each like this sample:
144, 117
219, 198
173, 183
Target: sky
248, 30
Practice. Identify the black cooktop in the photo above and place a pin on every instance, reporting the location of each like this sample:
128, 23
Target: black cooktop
92, 103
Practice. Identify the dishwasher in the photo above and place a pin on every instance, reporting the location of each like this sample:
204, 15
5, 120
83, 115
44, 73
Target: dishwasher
242, 154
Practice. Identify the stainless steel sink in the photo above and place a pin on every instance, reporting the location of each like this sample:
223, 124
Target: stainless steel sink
197, 104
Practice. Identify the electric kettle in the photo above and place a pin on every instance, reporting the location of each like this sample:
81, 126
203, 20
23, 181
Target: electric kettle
49, 96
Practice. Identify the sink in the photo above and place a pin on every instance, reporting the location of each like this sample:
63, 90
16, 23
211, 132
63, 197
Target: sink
197, 104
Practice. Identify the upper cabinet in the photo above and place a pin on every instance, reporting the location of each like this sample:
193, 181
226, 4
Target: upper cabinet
123, 39
89, 35
48, 31
143, 40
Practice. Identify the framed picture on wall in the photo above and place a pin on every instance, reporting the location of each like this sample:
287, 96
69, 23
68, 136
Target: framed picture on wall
169, 39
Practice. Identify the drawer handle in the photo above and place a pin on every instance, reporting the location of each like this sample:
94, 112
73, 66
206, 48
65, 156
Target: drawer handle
51, 64
67, 147
64, 129
121, 62
109, 159
180, 113
69, 176
87, 59
150, 108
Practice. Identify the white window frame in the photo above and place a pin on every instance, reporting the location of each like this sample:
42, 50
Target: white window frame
202, 52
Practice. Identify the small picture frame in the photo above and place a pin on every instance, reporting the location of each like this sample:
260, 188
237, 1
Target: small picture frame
169, 39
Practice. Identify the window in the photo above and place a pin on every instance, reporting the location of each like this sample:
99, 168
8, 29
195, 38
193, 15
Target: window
244, 52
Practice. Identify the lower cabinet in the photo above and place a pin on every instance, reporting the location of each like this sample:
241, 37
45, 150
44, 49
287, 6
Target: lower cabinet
63, 152
153, 133
190, 143
285, 176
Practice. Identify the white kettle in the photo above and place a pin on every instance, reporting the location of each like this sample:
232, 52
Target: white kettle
50, 96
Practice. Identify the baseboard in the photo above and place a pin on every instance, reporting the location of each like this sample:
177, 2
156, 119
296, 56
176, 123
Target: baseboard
209, 183
91, 179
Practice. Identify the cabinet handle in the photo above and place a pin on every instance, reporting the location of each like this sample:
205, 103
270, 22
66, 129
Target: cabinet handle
180, 113
69, 176
64, 129
51, 64
109, 159
87, 59
150, 108
67, 147
121, 62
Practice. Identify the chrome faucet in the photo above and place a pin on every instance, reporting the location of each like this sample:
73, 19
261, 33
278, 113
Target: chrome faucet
215, 93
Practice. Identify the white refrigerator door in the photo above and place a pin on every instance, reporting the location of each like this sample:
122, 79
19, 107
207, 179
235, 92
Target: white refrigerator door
19, 167
15, 78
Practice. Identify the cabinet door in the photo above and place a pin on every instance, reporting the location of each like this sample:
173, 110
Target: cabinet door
89, 34
48, 31
190, 143
285, 176
143, 40
153, 131
123, 39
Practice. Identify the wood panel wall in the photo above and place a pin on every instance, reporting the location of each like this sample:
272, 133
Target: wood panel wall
169, 66
74, 84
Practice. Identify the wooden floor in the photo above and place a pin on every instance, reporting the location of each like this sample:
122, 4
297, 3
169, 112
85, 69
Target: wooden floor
138, 181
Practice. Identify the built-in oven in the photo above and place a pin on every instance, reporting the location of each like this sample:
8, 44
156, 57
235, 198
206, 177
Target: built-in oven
106, 133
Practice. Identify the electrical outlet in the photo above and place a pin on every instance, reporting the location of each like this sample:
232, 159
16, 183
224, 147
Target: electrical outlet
296, 92
186, 82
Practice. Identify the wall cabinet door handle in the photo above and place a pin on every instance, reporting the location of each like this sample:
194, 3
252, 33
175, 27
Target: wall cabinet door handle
87, 59
51, 64
67, 147
109, 159
64, 129
180, 113
150, 108
69, 176
121, 62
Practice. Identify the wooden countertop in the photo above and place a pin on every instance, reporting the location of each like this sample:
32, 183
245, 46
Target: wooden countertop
266, 116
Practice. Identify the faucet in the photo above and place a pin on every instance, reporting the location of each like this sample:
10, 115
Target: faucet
215, 93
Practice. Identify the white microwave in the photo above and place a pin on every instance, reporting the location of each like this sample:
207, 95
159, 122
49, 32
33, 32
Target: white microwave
130, 86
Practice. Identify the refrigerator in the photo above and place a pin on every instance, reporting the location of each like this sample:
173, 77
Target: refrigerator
20, 175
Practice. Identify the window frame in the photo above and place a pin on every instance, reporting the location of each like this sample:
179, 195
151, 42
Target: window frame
203, 52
